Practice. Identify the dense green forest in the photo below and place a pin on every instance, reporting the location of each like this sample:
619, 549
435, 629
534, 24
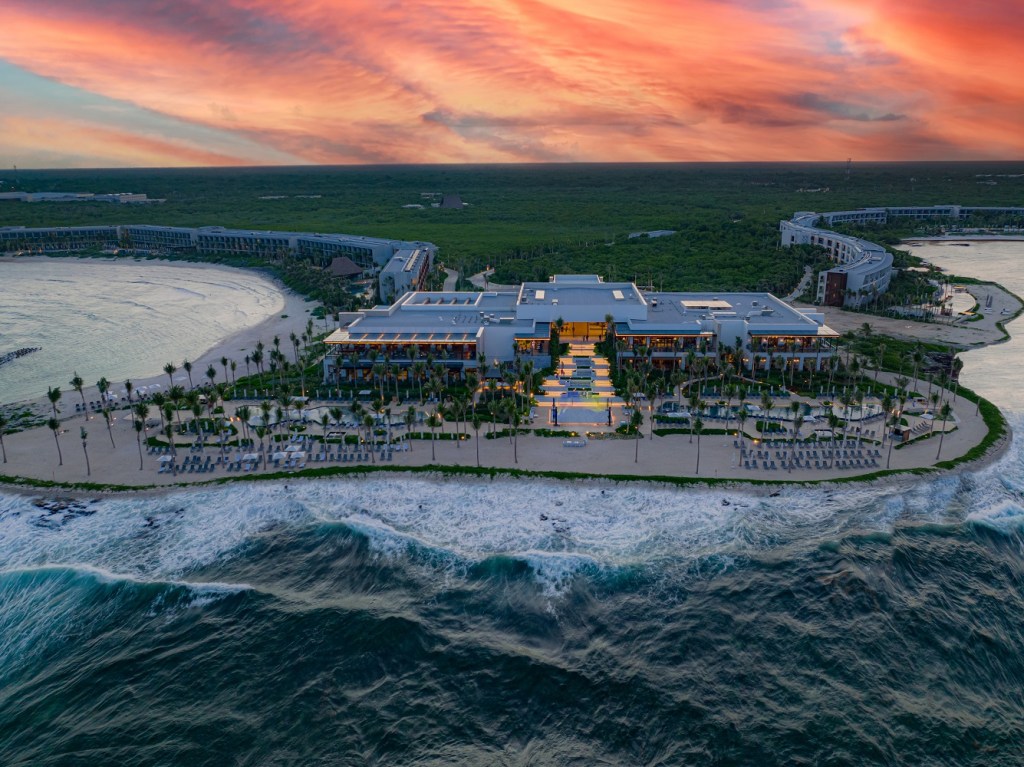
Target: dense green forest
533, 220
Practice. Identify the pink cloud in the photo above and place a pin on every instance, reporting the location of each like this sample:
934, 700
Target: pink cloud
342, 81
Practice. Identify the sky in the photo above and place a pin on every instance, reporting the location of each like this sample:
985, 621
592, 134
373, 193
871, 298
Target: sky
146, 83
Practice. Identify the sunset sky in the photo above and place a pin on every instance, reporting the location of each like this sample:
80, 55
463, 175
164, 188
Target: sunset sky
95, 83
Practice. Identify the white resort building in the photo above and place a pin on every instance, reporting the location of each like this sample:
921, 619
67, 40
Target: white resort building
458, 329
863, 269
368, 252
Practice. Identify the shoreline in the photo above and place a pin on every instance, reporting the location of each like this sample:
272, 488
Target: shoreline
541, 459
453, 473
295, 306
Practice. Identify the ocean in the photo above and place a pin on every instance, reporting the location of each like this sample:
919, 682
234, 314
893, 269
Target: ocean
408, 621
118, 318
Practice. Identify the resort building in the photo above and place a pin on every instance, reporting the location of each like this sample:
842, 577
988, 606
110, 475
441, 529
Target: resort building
407, 271
458, 329
370, 253
60, 238
115, 197
863, 269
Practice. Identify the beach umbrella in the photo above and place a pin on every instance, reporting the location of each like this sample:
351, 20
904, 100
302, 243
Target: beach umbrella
250, 457
298, 455
279, 456
292, 449
166, 458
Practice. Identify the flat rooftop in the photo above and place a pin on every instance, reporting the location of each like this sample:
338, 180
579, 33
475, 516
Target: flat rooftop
579, 290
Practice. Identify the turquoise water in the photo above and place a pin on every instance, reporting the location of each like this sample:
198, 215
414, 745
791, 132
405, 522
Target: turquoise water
407, 621
119, 319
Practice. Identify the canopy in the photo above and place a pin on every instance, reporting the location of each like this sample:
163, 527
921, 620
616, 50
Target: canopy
166, 458
250, 457
279, 456
298, 455
292, 449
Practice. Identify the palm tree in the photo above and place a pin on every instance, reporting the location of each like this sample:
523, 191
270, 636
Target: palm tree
636, 420
945, 412
141, 411
54, 425
85, 435
887, 403
53, 394
410, 418
187, 366
798, 421
78, 385
159, 401
224, 364
515, 418
730, 392
694, 401
176, 394
476, 422
3, 425
107, 418
325, 421
881, 357
893, 420
433, 421
169, 368
103, 386
918, 357
128, 390
234, 377
169, 433
368, 425
211, 373
833, 424
244, 413
741, 417
698, 426
257, 359
139, 426
795, 408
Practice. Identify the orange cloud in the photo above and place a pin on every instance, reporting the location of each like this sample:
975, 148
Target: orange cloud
348, 81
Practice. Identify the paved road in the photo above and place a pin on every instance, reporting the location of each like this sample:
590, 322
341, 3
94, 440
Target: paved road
451, 280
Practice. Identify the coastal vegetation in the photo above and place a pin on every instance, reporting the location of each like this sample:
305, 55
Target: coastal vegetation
526, 223
531, 221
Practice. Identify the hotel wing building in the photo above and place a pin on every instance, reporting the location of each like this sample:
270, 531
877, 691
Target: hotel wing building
456, 329
863, 269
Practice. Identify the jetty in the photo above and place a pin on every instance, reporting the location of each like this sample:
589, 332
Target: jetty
11, 356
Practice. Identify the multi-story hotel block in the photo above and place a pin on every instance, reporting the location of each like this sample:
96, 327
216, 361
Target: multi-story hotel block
407, 271
368, 252
863, 269
456, 329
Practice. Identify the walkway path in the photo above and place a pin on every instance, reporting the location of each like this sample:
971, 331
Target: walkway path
581, 391
479, 280
805, 281
451, 280
962, 334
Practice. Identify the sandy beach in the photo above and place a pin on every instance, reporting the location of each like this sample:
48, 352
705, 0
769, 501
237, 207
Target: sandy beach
33, 453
